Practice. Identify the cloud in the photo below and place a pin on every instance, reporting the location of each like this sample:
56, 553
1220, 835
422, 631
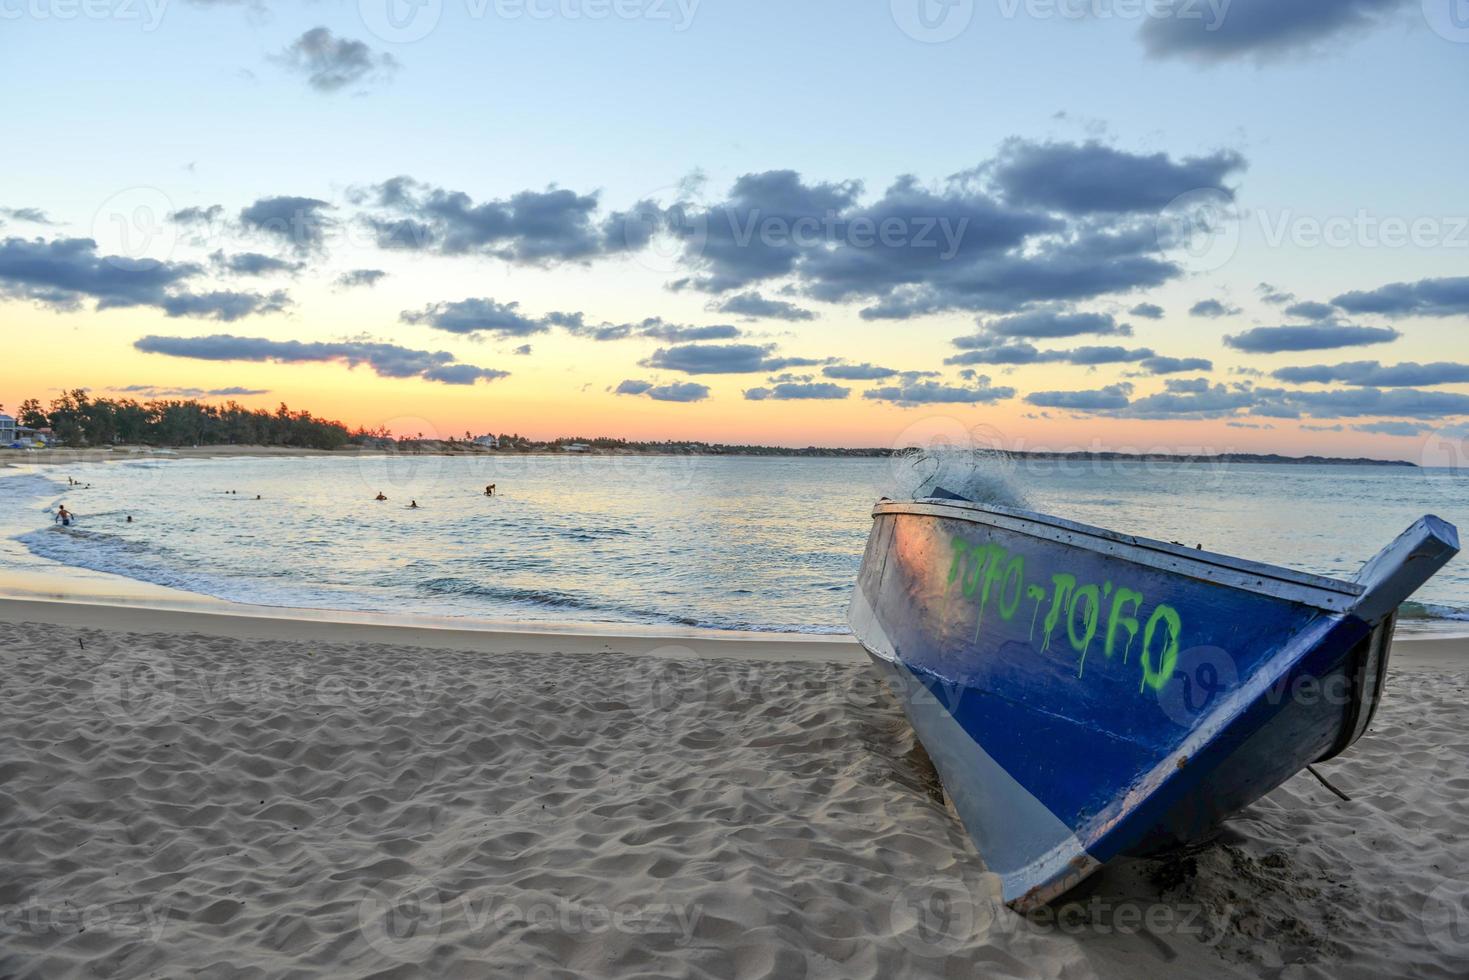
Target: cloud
1311, 310
1019, 352
1110, 397
678, 391
1176, 365
63, 273
1212, 308
1148, 311
224, 305
1047, 323
530, 227
386, 360
253, 264
1091, 177
723, 359
1257, 29
476, 316
1000, 237
1325, 336
756, 306
33, 216
300, 222
522, 351
913, 393
1375, 374
858, 372
155, 391
913, 250
360, 277
329, 63
1196, 398
1426, 297
793, 391
655, 327
1393, 428
1275, 297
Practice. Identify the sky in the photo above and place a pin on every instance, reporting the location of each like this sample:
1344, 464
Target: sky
1219, 225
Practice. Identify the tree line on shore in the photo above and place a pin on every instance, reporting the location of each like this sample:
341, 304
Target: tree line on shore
78, 419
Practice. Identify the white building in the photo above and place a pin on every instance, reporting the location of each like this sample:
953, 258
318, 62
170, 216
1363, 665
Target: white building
7, 430
489, 442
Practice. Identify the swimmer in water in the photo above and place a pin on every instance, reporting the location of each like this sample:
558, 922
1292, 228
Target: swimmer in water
380, 496
490, 490
64, 517
413, 505
130, 518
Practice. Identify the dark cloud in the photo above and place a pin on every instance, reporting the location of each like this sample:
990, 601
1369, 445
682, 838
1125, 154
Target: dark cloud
1377, 375
1311, 310
1019, 352
33, 216
1148, 311
1110, 397
1196, 398
1393, 428
756, 306
64, 273
913, 392
1324, 336
858, 372
360, 277
195, 216
476, 316
1275, 297
723, 359
386, 360
1212, 308
1176, 365
656, 328
253, 264
1426, 297
329, 63
225, 305
531, 227
1092, 177
1045, 324
522, 351
156, 391
678, 391
300, 222
794, 391
1257, 29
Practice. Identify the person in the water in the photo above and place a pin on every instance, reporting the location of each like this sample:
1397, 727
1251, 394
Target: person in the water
413, 505
490, 490
64, 517
380, 496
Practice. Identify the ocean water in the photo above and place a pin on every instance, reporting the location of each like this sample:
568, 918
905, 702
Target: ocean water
704, 541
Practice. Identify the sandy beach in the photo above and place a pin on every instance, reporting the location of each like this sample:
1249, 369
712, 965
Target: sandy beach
193, 793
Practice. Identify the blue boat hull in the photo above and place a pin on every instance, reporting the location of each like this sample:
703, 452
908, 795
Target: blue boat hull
1085, 695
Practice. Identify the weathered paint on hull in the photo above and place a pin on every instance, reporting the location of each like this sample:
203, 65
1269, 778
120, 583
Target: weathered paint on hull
1085, 695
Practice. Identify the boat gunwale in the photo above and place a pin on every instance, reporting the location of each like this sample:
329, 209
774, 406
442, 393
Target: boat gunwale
1331, 594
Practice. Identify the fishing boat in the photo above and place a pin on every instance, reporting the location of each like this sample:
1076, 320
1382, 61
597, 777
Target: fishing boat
1086, 694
